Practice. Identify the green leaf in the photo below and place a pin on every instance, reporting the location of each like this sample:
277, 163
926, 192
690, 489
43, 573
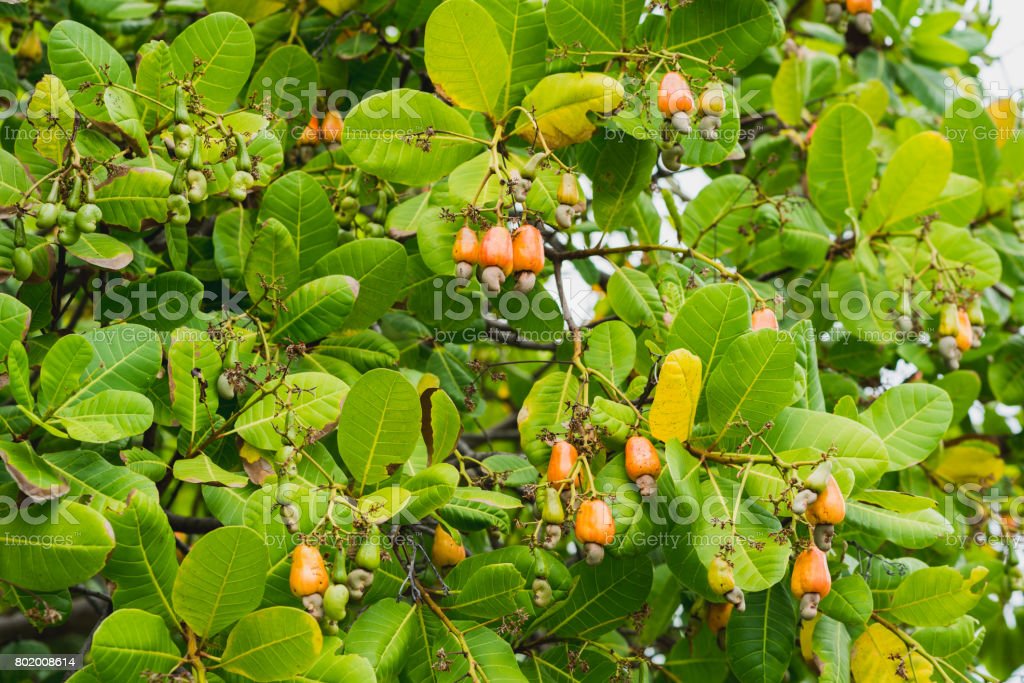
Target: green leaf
710, 319
134, 199
915, 529
1006, 372
333, 667
35, 478
377, 138
973, 136
201, 470
593, 25
30, 558
107, 416
465, 57
221, 579
299, 202
281, 79
78, 55
602, 597
759, 640
718, 213
620, 169
273, 261
441, 426
363, 350
102, 251
490, 592
635, 299
840, 162
831, 644
382, 634
232, 237
957, 644
51, 113
272, 644
125, 357
735, 30
430, 489
315, 309
523, 33
143, 565
153, 65
850, 600
315, 399
108, 486
611, 349
790, 90
379, 426
760, 556
545, 408
164, 302
754, 382
698, 658
937, 596
857, 447
377, 264
193, 365
14, 182
62, 369
562, 105
130, 643
915, 177
911, 420
224, 46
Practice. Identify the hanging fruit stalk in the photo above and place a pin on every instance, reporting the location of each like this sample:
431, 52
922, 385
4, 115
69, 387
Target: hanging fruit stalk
465, 253
447, 552
642, 464
825, 512
595, 528
496, 258
527, 256
811, 581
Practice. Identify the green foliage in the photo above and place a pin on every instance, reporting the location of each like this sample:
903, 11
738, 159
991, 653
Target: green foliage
243, 360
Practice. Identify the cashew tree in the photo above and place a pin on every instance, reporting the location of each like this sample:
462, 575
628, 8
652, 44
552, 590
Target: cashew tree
509, 340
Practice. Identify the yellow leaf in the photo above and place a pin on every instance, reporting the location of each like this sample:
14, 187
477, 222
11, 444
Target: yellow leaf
971, 462
561, 103
676, 396
251, 454
807, 638
880, 656
1003, 114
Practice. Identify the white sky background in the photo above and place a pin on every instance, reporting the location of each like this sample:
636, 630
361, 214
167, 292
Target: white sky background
1008, 43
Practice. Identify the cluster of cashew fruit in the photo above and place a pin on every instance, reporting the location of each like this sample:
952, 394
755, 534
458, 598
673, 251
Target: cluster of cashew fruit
77, 215
677, 104
500, 254
860, 10
330, 130
325, 595
822, 505
960, 329
594, 524
723, 583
